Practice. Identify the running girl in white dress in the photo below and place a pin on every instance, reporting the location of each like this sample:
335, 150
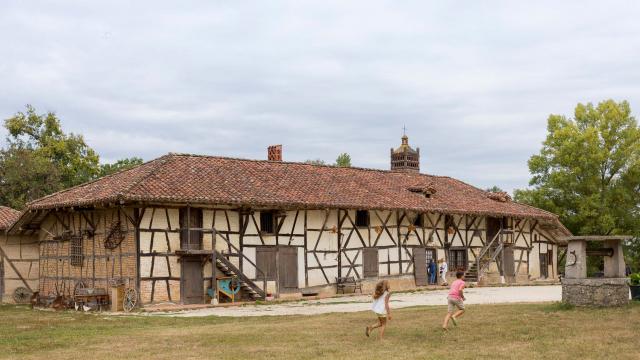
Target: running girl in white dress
380, 307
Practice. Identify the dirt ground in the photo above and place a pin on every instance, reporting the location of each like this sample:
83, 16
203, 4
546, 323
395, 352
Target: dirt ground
479, 295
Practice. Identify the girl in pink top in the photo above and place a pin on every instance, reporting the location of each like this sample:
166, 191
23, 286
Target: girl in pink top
455, 301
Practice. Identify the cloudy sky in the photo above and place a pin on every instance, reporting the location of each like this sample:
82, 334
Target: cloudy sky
473, 81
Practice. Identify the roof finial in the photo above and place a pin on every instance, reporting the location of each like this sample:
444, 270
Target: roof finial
404, 130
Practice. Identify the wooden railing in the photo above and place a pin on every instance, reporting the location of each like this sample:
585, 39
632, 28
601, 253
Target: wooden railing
238, 272
497, 240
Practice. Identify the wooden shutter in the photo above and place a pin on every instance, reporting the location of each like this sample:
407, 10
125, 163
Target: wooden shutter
370, 262
266, 261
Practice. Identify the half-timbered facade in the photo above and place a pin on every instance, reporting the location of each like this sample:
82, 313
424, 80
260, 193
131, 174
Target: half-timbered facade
171, 226
18, 260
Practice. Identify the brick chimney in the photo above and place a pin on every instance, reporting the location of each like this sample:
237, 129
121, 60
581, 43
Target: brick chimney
274, 153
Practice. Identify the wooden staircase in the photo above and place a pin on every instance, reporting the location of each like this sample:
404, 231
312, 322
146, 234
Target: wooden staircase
472, 273
250, 291
487, 255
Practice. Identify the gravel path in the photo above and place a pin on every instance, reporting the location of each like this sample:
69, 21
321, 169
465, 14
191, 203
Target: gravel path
483, 295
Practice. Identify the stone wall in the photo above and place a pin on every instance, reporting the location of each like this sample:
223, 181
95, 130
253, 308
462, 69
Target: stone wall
595, 291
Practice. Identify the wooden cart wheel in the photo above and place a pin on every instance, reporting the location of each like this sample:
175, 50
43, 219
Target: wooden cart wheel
130, 299
22, 295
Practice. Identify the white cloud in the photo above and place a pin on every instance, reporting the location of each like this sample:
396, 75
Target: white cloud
473, 82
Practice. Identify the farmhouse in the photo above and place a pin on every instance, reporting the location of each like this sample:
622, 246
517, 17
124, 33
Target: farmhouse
175, 227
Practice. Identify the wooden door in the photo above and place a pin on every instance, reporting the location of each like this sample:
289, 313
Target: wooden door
191, 284
370, 262
288, 268
509, 262
420, 266
544, 266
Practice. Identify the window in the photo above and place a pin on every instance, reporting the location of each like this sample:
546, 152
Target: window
549, 256
362, 218
191, 229
418, 221
370, 262
76, 250
266, 261
267, 222
457, 260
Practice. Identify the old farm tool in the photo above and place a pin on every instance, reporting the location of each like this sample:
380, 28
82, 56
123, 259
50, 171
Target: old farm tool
22, 295
115, 236
130, 299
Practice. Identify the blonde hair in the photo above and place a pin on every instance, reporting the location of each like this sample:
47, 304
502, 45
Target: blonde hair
381, 287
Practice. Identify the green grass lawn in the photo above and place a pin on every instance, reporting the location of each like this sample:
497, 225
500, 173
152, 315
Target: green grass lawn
523, 331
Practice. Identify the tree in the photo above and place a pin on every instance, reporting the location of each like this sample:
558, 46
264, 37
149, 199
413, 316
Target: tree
25, 177
315, 162
494, 189
122, 164
42, 134
40, 158
343, 160
588, 171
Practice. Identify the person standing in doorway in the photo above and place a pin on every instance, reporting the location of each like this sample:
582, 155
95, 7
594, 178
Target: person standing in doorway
433, 269
444, 268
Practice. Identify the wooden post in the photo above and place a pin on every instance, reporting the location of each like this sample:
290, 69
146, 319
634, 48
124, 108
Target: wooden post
339, 246
306, 267
188, 226
214, 282
398, 222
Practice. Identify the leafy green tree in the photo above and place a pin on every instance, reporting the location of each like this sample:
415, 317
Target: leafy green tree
40, 158
25, 177
343, 160
75, 161
495, 189
315, 162
122, 164
588, 171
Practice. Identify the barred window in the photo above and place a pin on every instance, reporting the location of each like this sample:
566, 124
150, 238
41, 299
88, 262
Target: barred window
76, 250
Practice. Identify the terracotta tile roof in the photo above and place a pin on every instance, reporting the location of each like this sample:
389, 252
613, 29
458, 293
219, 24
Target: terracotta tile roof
7, 217
181, 178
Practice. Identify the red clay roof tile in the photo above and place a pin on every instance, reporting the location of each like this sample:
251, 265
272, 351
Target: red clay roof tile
181, 178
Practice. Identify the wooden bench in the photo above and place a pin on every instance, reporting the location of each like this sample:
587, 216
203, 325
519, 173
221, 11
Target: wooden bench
348, 282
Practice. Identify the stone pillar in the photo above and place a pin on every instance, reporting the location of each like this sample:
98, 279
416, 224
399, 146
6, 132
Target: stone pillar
614, 265
577, 270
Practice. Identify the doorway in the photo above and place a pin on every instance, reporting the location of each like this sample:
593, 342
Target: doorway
509, 266
191, 281
544, 265
288, 268
420, 266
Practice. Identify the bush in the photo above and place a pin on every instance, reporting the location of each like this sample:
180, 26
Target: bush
634, 279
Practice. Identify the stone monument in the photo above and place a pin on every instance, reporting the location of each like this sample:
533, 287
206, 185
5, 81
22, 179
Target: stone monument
610, 290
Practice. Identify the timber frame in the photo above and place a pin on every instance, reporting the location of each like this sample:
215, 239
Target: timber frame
328, 242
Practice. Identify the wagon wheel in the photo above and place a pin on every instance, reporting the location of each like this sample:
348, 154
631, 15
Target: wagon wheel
130, 299
22, 295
